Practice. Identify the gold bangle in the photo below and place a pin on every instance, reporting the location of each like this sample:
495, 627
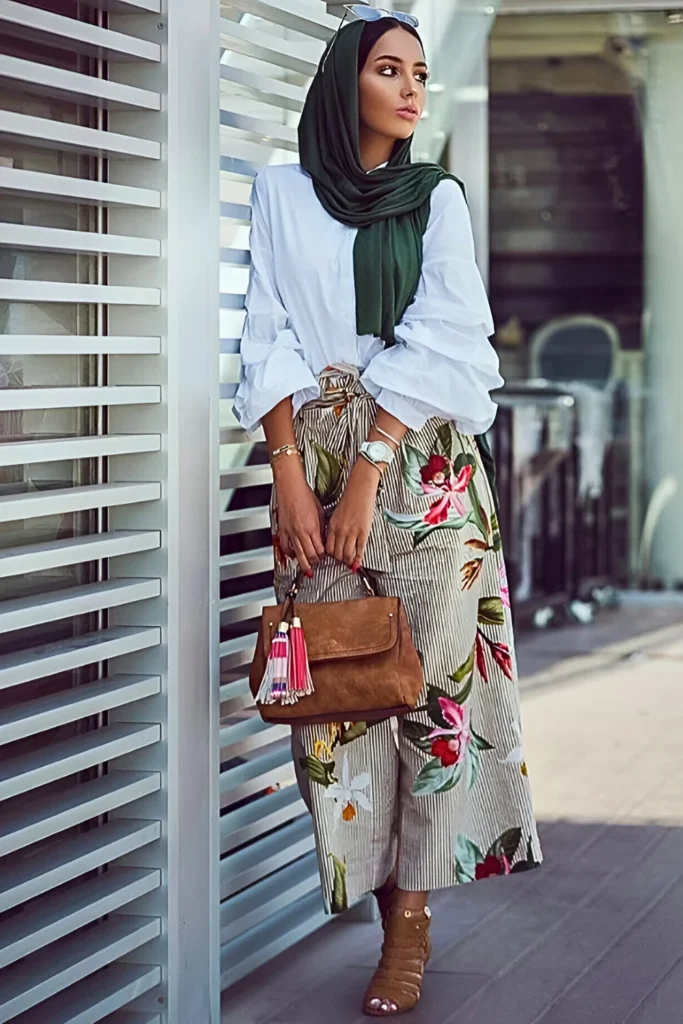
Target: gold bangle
375, 464
286, 449
393, 439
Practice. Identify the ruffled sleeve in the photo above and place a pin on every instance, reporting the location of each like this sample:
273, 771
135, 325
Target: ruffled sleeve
443, 364
273, 365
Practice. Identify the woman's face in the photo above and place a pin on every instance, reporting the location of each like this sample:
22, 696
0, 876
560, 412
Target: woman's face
392, 86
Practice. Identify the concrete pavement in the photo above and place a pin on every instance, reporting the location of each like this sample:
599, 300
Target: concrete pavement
596, 935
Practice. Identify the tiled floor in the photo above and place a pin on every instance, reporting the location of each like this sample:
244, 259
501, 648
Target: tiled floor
594, 937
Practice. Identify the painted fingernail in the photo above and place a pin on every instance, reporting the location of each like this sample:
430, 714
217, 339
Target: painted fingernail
355, 567
309, 573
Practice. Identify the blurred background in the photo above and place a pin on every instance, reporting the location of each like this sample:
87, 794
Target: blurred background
564, 121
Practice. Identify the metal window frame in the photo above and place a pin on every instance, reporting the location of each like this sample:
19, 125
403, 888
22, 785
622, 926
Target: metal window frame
154, 949
269, 891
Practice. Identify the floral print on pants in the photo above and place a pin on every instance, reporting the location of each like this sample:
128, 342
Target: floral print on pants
442, 794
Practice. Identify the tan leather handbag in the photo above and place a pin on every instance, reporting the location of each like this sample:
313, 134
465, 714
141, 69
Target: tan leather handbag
357, 662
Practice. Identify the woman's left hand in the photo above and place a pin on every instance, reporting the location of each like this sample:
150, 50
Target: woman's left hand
351, 522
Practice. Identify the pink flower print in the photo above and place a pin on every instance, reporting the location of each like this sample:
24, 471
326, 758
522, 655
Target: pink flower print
503, 585
436, 470
448, 751
492, 866
481, 658
502, 657
450, 744
437, 478
438, 512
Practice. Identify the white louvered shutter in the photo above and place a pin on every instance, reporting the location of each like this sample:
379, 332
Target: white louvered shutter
101, 695
268, 874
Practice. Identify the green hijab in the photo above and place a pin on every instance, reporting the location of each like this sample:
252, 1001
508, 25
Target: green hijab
389, 207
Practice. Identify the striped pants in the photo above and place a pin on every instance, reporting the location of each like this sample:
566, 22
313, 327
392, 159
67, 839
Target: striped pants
443, 794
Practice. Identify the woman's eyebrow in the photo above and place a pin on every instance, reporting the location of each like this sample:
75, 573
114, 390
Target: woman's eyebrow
399, 60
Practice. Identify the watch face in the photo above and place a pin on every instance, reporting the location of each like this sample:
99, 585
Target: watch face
379, 451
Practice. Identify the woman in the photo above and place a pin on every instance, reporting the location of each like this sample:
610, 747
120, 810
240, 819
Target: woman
367, 321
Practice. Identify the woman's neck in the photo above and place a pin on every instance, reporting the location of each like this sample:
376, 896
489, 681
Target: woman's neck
373, 149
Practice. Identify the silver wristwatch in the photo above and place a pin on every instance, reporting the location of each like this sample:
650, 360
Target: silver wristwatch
377, 452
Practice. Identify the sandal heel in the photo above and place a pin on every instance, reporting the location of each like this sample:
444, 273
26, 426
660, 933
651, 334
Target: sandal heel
396, 984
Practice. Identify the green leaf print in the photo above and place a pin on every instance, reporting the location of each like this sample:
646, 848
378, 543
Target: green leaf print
481, 512
434, 778
328, 475
443, 444
480, 742
496, 541
340, 899
467, 856
464, 670
318, 771
462, 460
472, 765
417, 733
454, 523
434, 708
413, 461
506, 844
462, 695
491, 611
354, 732
479, 516
403, 521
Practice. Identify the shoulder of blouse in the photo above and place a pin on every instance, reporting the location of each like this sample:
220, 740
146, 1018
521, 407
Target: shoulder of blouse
277, 176
276, 185
448, 199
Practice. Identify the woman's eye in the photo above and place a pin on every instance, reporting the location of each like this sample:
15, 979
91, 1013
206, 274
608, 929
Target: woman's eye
421, 76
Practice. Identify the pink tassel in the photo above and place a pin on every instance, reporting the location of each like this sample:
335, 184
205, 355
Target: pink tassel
274, 683
300, 683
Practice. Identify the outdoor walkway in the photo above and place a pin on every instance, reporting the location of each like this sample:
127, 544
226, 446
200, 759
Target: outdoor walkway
596, 935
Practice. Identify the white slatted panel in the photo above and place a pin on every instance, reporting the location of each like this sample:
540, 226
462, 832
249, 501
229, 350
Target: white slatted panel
85, 400
268, 878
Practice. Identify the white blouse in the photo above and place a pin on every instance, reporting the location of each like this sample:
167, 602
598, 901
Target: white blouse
301, 313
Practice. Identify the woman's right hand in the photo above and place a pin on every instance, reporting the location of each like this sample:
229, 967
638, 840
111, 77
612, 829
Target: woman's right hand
300, 516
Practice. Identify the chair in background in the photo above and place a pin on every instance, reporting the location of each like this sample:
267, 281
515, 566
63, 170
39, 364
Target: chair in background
585, 349
582, 357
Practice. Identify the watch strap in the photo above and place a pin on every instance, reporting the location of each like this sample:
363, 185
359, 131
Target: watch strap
371, 451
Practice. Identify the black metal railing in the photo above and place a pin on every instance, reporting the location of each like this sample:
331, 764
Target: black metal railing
559, 548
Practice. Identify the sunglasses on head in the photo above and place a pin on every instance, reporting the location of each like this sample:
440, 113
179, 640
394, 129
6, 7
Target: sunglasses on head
363, 13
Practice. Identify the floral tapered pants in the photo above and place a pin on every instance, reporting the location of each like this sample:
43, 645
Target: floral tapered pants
442, 794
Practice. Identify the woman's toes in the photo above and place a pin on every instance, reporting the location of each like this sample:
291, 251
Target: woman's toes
383, 1005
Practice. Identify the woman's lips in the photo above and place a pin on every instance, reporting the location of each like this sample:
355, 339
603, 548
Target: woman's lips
408, 113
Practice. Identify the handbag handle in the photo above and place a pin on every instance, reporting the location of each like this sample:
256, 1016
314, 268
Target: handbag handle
362, 574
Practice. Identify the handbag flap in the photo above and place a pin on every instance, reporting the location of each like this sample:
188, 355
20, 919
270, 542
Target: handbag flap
341, 629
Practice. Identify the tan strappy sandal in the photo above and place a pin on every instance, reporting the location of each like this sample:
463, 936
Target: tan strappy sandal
396, 984
385, 897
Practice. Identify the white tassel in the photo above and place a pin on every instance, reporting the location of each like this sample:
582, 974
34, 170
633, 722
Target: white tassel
273, 686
